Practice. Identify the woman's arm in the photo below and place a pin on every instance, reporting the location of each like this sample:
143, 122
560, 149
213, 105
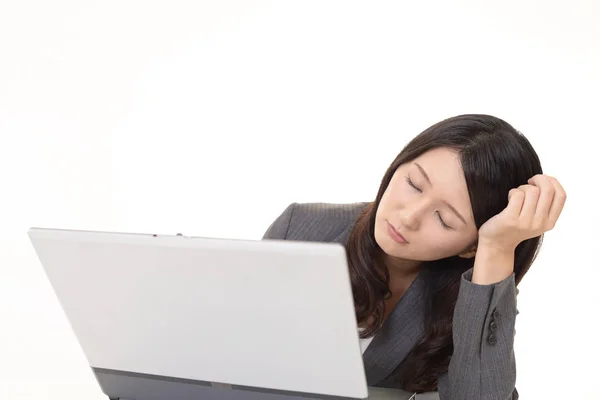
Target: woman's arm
483, 366
483, 362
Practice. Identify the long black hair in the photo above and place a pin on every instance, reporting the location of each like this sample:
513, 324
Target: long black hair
495, 158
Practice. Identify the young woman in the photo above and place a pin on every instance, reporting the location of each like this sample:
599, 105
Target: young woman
436, 258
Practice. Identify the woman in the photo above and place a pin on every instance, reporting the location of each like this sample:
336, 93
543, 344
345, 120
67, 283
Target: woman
435, 259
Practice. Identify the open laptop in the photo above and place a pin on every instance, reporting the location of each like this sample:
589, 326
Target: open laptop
175, 317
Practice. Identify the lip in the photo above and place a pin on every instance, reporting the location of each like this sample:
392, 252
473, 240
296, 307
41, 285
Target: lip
395, 235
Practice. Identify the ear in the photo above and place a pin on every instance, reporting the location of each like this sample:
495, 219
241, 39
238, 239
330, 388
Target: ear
469, 253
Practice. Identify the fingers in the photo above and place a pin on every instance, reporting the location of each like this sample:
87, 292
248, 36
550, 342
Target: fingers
530, 203
545, 197
515, 203
550, 203
560, 197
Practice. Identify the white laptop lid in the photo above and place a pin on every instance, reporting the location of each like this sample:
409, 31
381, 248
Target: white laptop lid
267, 314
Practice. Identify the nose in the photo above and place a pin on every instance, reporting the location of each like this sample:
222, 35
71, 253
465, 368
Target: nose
411, 215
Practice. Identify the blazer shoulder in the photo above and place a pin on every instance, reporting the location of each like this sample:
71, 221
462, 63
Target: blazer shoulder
314, 221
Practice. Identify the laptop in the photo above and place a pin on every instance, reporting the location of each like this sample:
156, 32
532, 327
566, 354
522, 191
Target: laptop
175, 317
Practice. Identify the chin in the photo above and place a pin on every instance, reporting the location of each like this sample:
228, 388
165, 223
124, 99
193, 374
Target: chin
388, 246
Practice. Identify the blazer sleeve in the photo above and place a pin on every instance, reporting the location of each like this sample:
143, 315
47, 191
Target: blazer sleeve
279, 228
482, 365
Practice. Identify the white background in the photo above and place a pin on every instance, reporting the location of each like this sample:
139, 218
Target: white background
208, 118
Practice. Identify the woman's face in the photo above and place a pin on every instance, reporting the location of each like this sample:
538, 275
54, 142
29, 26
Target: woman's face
428, 204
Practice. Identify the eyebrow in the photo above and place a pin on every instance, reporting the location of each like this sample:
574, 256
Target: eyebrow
445, 202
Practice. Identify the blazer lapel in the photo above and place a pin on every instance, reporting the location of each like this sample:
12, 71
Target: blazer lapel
400, 332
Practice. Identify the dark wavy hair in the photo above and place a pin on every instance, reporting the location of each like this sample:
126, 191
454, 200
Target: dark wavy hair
495, 158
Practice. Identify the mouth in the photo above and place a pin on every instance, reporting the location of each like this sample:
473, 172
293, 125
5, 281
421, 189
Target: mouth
395, 235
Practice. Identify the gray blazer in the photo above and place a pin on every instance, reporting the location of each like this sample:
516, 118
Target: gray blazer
482, 366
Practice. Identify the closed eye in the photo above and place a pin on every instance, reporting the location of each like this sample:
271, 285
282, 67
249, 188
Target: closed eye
410, 182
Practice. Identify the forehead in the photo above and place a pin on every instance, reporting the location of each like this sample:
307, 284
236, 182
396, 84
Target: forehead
442, 165
447, 177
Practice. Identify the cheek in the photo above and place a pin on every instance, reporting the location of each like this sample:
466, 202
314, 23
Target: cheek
442, 245
399, 189
385, 205
394, 196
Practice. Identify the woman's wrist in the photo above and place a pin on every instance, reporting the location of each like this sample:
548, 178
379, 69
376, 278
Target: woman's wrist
493, 264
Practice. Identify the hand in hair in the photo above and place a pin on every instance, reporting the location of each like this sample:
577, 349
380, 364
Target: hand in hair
532, 210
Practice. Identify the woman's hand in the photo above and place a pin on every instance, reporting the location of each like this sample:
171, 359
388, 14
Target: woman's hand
532, 210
